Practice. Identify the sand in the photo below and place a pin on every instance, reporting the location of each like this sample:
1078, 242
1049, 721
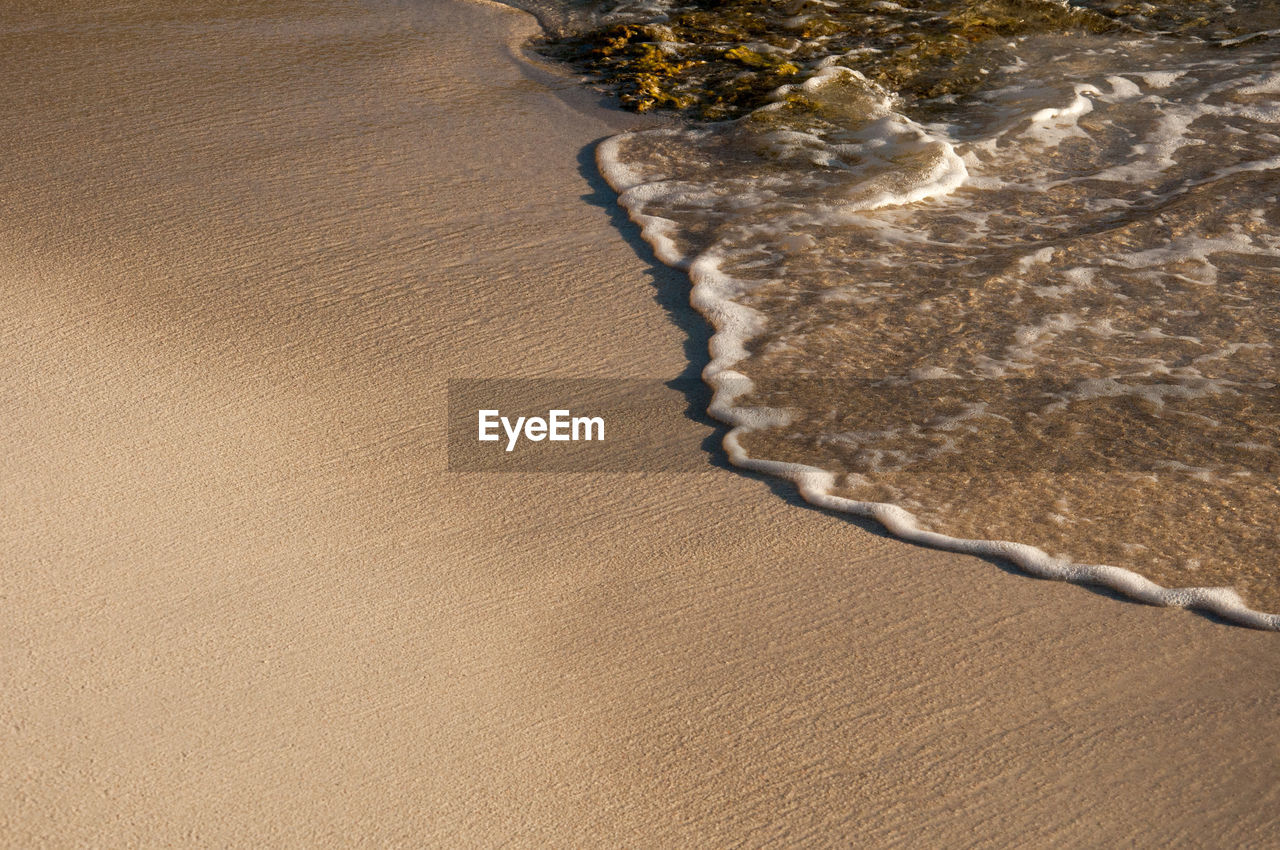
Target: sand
244, 247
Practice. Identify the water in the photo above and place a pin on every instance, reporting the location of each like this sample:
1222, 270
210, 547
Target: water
1030, 295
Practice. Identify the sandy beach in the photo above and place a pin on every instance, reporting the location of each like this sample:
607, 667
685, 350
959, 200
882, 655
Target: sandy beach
245, 247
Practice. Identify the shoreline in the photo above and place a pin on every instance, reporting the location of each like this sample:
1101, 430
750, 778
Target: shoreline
252, 605
735, 325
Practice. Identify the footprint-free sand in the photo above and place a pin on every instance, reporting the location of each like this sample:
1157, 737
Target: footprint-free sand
243, 247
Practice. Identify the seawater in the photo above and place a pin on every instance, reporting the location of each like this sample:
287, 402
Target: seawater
1030, 309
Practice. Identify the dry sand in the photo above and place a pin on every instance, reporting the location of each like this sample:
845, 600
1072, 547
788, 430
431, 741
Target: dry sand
246, 604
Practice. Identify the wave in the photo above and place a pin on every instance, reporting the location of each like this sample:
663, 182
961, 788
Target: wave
1002, 270
826, 154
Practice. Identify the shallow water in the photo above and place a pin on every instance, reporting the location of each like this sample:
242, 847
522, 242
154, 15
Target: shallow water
1039, 307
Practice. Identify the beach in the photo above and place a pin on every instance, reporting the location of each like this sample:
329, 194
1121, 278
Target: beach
245, 248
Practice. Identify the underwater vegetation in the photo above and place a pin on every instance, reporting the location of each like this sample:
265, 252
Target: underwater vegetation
717, 59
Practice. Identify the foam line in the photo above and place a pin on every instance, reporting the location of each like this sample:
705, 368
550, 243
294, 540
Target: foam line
735, 325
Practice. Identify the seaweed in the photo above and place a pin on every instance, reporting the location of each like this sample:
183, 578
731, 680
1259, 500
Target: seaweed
716, 59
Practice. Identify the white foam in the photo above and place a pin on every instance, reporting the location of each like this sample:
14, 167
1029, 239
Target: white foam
1123, 88
1160, 79
1232, 42
1042, 256
1079, 105
1267, 84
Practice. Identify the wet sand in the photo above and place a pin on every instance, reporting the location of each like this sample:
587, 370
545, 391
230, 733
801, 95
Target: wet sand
244, 247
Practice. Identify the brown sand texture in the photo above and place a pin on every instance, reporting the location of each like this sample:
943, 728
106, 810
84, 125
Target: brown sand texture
246, 603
